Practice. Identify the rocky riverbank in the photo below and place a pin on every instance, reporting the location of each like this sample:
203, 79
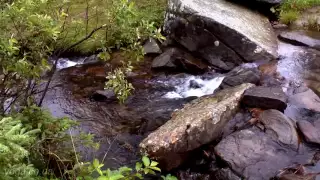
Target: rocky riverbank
222, 98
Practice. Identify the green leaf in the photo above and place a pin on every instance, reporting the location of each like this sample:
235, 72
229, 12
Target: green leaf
155, 168
138, 166
154, 163
146, 161
96, 163
103, 178
116, 177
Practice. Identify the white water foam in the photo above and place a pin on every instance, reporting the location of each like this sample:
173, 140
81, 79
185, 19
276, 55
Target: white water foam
65, 63
206, 87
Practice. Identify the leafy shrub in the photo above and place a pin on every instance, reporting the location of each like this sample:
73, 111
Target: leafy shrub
87, 170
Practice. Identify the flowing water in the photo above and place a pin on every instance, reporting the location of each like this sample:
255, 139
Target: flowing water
120, 128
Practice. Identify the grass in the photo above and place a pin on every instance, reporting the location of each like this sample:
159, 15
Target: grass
287, 17
291, 9
86, 15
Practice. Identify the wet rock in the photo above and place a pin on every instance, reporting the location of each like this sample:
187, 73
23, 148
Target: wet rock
309, 171
175, 58
194, 84
265, 98
278, 25
219, 37
307, 100
240, 75
157, 112
314, 85
279, 127
302, 38
272, 2
254, 155
310, 131
151, 46
219, 174
225, 174
309, 19
198, 123
91, 59
293, 176
166, 59
300, 114
103, 95
239, 121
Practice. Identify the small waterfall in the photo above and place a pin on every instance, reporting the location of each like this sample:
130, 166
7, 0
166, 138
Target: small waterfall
195, 86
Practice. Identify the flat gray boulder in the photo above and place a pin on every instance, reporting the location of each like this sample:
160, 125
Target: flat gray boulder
265, 98
302, 38
223, 33
198, 123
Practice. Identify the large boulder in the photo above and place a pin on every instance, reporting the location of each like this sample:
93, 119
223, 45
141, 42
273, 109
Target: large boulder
265, 98
221, 32
198, 123
258, 154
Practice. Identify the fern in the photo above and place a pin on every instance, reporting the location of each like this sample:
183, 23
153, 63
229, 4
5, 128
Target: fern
14, 144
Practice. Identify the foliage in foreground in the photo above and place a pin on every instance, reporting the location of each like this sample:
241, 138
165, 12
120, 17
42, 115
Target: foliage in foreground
147, 167
32, 142
19, 156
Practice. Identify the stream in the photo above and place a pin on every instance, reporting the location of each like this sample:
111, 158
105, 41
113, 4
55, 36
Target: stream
120, 128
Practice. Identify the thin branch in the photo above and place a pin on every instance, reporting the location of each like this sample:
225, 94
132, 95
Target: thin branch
87, 17
54, 68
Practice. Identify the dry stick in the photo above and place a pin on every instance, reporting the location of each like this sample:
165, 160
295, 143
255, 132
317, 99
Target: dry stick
54, 68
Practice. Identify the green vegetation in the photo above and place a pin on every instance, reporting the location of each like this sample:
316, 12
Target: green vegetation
291, 9
33, 144
83, 16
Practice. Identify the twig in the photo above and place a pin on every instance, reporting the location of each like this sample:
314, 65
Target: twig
105, 155
74, 148
57, 58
